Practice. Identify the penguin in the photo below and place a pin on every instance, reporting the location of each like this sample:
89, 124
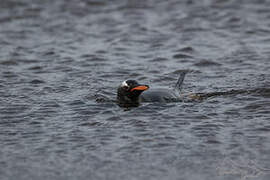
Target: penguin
130, 93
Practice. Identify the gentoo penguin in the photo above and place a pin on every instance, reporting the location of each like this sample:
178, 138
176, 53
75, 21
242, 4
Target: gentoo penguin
130, 93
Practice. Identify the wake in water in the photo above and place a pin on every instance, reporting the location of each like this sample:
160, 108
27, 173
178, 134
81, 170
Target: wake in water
203, 96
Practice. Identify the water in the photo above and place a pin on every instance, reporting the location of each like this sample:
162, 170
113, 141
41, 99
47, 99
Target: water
60, 61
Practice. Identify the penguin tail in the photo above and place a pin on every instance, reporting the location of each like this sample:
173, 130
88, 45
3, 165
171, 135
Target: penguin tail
179, 84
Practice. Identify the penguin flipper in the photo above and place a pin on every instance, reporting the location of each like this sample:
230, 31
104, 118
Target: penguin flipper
178, 85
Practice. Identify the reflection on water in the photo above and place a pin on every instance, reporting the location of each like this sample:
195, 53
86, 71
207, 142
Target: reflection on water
60, 65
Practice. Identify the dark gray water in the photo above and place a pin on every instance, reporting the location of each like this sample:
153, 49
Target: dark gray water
59, 61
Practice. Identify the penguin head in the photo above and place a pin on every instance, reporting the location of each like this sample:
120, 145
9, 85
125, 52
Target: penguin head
129, 91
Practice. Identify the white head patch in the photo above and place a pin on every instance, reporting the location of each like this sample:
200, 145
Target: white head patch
124, 84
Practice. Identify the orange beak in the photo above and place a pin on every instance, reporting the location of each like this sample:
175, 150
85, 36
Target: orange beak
140, 88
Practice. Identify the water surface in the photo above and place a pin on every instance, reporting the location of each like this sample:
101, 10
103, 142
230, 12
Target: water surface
59, 59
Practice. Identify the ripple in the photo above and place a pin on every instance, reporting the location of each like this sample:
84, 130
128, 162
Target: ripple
187, 49
37, 81
8, 74
206, 63
264, 129
34, 68
28, 61
159, 59
181, 56
9, 63
93, 58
